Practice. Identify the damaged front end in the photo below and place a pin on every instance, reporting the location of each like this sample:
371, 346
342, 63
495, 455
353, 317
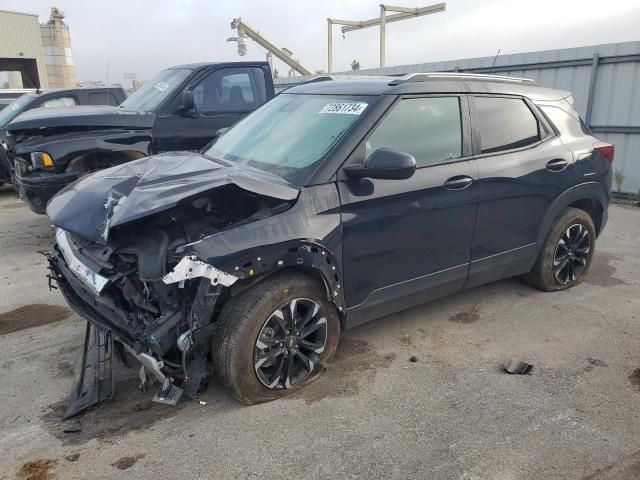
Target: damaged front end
120, 258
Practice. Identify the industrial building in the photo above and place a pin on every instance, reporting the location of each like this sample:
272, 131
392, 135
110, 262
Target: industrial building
604, 81
36, 55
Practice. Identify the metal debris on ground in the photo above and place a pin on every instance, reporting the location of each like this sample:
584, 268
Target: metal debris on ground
72, 426
517, 367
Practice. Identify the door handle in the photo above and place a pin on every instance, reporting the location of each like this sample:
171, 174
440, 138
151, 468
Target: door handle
557, 165
458, 182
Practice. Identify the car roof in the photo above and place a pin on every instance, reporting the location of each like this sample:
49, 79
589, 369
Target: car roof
427, 83
198, 66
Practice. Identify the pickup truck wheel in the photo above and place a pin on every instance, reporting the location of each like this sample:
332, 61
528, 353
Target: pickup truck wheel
566, 255
275, 337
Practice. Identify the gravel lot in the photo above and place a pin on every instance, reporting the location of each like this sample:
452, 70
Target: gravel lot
452, 414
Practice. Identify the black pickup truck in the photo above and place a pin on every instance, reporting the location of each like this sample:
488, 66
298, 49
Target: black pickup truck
16, 102
182, 108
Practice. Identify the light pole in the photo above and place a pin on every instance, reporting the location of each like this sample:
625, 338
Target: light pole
402, 13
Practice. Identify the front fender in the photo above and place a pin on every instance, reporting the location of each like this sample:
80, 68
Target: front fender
65, 146
307, 236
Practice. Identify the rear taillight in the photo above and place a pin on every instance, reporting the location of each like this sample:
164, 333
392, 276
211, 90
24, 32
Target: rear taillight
605, 149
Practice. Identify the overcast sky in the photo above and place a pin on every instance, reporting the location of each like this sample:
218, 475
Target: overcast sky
144, 36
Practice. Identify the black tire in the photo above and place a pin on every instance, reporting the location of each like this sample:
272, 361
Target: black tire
245, 316
544, 275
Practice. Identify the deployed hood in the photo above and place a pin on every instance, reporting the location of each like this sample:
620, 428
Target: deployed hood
108, 198
102, 116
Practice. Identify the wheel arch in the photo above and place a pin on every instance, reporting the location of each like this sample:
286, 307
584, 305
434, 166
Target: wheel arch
590, 197
304, 257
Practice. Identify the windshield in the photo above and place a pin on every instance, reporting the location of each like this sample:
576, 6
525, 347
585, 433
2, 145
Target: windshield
290, 135
153, 92
15, 108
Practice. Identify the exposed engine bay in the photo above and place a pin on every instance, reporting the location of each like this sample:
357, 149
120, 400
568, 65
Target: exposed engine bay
160, 305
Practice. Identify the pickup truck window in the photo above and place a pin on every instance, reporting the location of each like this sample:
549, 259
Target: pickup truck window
59, 102
230, 90
290, 135
154, 92
14, 109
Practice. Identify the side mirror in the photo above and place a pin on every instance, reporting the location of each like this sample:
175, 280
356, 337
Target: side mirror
384, 163
188, 103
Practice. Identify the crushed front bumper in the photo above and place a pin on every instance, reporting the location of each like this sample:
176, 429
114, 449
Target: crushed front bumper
37, 190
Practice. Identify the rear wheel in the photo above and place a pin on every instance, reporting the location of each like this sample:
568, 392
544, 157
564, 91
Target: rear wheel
275, 337
566, 255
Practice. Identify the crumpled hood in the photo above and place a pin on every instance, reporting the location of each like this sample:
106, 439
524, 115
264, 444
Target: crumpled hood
92, 205
102, 116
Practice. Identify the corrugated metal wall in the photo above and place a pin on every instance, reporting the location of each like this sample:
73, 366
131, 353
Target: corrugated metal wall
20, 39
610, 72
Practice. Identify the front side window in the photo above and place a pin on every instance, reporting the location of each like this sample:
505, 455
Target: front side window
505, 124
155, 91
230, 90
59, 102
291, 134
427, 128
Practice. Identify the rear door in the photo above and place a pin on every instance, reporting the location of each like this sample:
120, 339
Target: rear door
407, 241
222, 97
523, 166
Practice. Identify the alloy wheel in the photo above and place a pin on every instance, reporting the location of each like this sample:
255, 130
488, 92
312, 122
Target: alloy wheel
289, 344
572, 254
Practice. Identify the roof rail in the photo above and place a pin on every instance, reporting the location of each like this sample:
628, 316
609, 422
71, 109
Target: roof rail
422, 77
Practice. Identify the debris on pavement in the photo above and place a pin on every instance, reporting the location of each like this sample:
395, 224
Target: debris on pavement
517, 367
72, 426
413, 358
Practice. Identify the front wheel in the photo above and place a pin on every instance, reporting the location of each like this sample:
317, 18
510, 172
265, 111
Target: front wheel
275, 337
566, 255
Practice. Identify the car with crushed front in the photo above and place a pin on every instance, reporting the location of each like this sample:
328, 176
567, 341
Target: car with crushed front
336, 202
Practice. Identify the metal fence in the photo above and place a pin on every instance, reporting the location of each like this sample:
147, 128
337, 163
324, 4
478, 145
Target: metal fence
604, 80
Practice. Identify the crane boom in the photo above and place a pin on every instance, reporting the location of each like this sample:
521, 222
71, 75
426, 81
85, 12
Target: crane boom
283, 54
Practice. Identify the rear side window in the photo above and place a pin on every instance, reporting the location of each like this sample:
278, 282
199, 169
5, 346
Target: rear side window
102, 98
427, 128
505, 124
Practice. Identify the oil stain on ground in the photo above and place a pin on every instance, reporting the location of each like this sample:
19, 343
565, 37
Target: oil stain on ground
37, 470
634, 378
31, 316
130, 409
355, 363
601, 273
466, 317
127, 462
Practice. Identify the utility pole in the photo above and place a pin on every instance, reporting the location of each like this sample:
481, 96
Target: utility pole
402, 13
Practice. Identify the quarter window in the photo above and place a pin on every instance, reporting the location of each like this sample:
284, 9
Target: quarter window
505, 124
427, 128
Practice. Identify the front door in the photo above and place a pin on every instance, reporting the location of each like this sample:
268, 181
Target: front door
407, 241
222, 97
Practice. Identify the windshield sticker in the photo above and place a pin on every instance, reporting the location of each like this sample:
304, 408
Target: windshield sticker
344, 108
162, 86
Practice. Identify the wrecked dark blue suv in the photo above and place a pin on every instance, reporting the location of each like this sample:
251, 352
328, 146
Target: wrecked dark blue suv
335, 203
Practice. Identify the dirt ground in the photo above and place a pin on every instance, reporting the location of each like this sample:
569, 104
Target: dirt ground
449, 414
